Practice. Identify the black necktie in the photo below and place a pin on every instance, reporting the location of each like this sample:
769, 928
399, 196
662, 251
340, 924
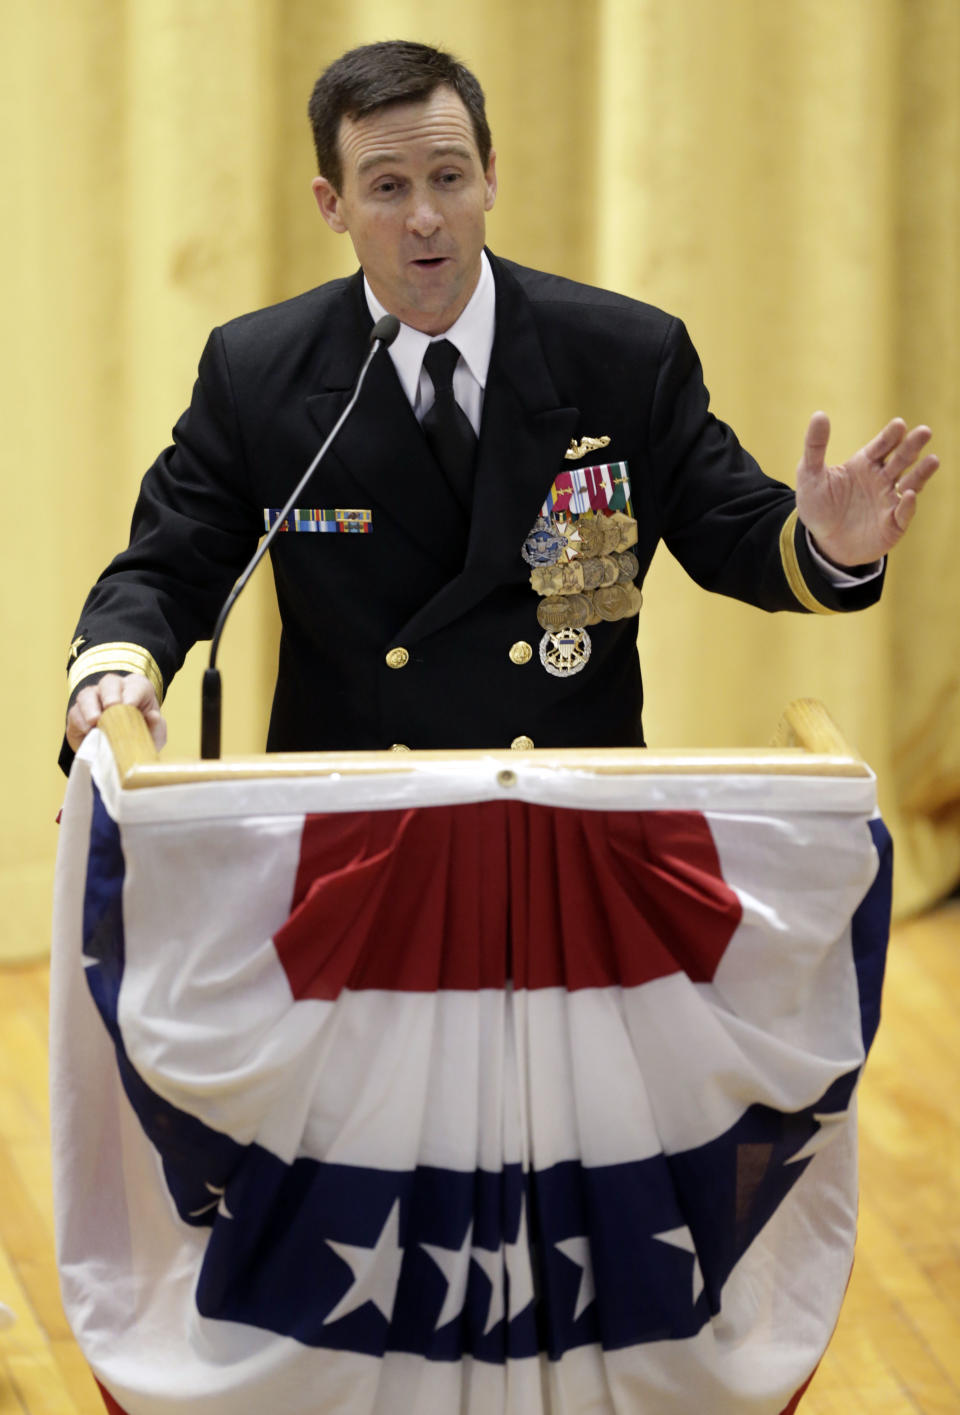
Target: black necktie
447, 427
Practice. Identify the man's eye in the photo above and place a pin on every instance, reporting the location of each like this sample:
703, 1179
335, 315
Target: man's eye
449, 179
386, 188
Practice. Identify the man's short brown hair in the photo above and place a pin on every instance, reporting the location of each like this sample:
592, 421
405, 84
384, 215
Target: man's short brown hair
378, 75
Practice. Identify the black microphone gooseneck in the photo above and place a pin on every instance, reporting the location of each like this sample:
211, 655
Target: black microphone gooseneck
383, 333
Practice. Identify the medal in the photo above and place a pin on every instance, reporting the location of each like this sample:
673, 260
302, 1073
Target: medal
565, 652
591, 535
610, 570
611, 602
611, 536
629, 565
543, 545
556, 612
626, 530
581, 566
558, 579
569, 537
635, 598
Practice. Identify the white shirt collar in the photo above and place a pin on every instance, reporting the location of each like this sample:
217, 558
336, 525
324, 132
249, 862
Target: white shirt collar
472, 333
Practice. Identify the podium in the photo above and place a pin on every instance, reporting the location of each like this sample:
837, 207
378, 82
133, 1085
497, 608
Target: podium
476, 1082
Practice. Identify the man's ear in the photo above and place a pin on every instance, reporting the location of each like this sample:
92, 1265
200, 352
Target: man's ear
490, 178
328, 202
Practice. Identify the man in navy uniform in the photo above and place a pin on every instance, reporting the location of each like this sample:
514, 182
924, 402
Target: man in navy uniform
466, 570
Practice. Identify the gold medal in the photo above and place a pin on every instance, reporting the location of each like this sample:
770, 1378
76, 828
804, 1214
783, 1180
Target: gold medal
592, 571
626, 530
563, 611
609, 535
635, 600
611, 602
629, 565
610, 570
591, 535
579, 611
546, 579
558, 579
553, 612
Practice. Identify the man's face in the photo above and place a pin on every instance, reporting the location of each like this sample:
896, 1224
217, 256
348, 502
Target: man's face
414, 197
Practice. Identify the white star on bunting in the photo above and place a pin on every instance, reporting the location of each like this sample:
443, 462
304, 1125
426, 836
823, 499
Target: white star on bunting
454, 1263
491, 1263
376, 1271
219, 1203
577, 1250
821, 1137
516, 1257
682, 1238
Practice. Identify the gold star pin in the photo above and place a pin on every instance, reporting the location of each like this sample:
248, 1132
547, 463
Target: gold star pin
75, 646
576, 450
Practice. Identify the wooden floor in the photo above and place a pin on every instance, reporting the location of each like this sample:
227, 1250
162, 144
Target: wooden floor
897, 1348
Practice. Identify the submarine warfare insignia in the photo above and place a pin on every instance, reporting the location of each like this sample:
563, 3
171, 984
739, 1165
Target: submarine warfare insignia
565, 652
581, 563
576, 450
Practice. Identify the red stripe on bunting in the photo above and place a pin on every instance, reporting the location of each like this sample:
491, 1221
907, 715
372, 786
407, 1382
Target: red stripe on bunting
468, 897
795, 1402
112, 1407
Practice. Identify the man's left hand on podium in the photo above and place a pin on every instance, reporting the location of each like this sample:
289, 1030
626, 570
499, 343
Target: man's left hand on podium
856, 512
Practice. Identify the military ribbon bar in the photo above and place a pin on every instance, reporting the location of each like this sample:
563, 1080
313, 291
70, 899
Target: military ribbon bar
581, 489
325, 521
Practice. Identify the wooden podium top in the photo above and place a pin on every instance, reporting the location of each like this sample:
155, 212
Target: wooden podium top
806, 743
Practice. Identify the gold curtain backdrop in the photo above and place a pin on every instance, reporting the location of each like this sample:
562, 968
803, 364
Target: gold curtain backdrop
785, 176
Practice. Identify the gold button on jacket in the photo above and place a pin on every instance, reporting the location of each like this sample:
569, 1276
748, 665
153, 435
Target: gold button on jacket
521, 744
398, 658
521, 652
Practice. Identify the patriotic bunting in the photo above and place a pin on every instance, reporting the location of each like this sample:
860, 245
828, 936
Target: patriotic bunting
392, 1094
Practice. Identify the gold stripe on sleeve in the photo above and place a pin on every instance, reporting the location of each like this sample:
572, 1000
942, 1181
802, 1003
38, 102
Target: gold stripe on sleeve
791, 568
104, 658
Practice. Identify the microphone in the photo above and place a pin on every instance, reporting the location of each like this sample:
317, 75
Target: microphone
382, 335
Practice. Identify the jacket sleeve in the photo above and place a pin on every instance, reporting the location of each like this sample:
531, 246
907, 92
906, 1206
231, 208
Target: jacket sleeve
194, 528
734, 530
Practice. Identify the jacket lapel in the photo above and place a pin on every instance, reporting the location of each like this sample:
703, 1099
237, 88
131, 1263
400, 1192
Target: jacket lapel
523, 435
381, 445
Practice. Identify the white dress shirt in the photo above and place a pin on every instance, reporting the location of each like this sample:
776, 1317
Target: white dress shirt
472, 334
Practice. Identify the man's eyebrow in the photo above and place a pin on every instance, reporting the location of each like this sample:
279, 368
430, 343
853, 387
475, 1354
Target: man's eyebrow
379, 159
452, 150
376, 159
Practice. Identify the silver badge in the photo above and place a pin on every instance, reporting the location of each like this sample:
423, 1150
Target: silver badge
543, 545
565, 651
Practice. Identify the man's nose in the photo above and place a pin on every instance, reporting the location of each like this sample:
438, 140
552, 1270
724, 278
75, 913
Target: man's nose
424, 217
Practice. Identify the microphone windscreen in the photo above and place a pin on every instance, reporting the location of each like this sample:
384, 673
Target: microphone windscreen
385, 330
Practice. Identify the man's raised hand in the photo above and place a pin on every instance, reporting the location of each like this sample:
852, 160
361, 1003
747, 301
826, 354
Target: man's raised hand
856, 512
